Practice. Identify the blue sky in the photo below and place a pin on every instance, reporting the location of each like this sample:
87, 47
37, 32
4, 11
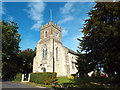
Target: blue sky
30, 16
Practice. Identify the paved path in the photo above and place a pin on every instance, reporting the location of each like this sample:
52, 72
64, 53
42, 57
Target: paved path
10, 84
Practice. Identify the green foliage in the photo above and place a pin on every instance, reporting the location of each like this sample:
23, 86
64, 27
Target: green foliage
101, 37
10, 49
63, 82
71, 77
18, 77
26, 60
63, 79
43, 77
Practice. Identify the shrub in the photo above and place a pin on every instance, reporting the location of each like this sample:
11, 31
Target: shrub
43, 77
71, 77
18, 77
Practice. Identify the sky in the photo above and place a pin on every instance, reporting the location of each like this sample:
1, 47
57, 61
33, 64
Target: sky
30, 16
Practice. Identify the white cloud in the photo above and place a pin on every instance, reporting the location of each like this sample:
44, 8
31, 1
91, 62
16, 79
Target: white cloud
92, 3
66, 19
37, 25
66, 12
75, 43
36, 13
11, 19
72, 42
67, 8
2, 9
64, 31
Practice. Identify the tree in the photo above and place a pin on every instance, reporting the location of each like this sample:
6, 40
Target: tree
101, 37
10, 49
26, 60
82, 65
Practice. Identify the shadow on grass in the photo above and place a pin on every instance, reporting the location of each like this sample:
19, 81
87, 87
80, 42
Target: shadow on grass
87, 84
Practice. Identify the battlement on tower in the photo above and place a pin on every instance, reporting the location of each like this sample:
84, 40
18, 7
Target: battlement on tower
51, 23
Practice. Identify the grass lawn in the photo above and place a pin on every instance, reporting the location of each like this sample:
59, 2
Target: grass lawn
63, 80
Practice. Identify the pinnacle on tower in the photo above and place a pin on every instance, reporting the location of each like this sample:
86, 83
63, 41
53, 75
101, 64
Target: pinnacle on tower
50, 14
51, 22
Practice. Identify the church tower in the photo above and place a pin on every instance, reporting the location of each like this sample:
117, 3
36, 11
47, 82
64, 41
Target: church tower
50, 30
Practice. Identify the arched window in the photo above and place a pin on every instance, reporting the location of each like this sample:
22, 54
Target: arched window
43, 68
45, 34
73, 64
44, 52
57, 53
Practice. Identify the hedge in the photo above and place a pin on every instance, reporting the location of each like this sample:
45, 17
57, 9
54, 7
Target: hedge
43, 77
18, 77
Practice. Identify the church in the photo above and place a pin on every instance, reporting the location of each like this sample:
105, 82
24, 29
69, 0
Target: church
51, 55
